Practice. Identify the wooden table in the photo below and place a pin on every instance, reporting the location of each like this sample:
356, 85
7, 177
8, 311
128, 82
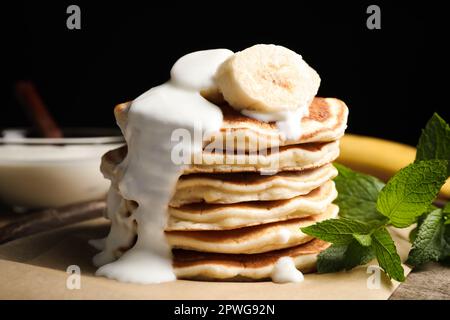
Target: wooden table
431, 281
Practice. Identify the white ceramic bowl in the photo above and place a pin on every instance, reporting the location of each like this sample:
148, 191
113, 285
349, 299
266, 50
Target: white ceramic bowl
44, 172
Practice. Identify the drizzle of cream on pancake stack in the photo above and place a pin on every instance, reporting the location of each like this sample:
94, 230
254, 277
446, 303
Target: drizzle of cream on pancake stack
222, 217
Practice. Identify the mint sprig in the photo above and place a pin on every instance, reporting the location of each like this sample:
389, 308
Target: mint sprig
368, 206
429, 242
446, 212
358, 195
337, 231
364, 239
410, 192
343, 257
434, 143
387, 255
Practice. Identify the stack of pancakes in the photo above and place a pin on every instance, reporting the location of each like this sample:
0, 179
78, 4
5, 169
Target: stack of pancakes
227, 220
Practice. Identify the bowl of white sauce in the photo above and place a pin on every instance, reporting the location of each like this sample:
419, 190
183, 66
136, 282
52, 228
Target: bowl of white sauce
51, 172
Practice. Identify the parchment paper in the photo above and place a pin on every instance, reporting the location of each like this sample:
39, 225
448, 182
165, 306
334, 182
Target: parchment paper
35, 268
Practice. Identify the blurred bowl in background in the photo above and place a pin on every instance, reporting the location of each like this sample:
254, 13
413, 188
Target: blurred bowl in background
52, 172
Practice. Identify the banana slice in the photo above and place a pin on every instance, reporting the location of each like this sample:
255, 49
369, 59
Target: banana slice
266, 79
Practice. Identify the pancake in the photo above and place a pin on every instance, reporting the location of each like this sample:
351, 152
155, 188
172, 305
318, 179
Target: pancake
248, 186
289, 158
327, 121
205, 216
250, 240
215, 266
110, 160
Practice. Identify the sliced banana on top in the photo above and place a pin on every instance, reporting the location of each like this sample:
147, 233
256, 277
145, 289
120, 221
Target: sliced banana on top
267, 78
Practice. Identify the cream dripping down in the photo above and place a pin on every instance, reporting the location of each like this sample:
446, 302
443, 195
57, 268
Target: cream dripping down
148, 175
285, 271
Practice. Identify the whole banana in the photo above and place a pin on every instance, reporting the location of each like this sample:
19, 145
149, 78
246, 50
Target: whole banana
378, 157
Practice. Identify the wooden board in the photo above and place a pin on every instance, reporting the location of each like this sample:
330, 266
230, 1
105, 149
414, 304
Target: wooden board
15, 225
431, 281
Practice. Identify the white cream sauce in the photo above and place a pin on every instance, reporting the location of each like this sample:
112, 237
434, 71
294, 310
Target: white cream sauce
283, 235
121, 233
285, 271
148, 172
288, 122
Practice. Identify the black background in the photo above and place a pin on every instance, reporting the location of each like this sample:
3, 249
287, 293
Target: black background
392, 79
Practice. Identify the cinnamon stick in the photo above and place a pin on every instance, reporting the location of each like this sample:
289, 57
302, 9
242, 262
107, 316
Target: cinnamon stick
29, 97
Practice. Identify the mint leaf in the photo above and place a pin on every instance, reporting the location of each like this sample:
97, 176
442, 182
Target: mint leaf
446, 208
410, 192
387, 255
445, 254
429, 241
434, 143
337, 231
363, 239
343, 257
420, 220
446, 212
413, 234
357, 195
